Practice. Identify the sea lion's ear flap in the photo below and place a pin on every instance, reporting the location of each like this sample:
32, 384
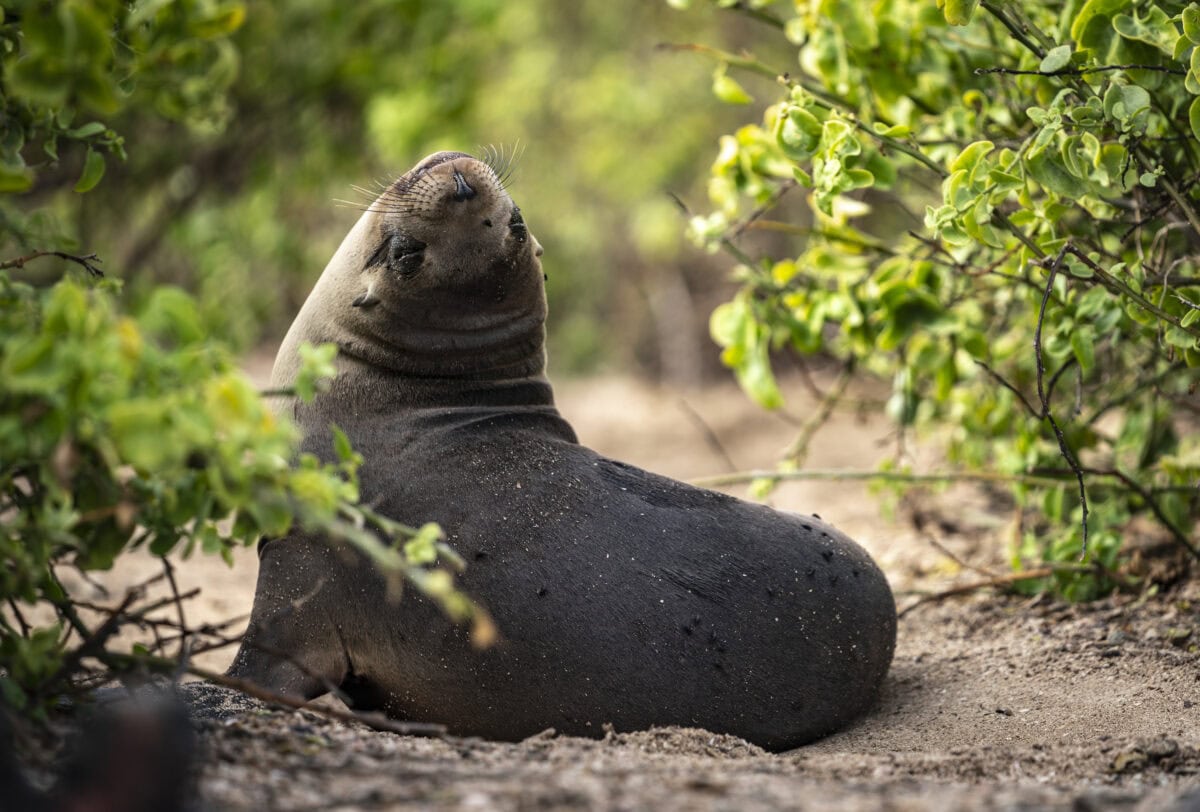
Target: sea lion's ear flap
368, 298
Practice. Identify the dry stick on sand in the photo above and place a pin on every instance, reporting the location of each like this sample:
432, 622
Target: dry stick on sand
374, 720
1008, 579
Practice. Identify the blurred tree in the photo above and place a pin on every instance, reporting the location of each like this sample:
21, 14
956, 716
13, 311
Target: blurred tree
247, 135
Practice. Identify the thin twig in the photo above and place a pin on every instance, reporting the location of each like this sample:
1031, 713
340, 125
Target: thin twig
371, 719
944, 550
920, 521
1047, 415
1114, 284
854, 475
1078, 71
1016, 30
183, 627
756, 14
706, 431
770, 203
1186, 301
998, 378
1068, 364
798, 450
92, 642
88, 261
16, 610
726, 244
140, 615
1147, 497
1007, 579
1010, 578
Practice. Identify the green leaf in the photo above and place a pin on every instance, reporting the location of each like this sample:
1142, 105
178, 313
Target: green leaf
341, 445
971, 155
727, 89
141, 431
15, 178
1191, 23
799, 133
1083, 345
1093, 19
317, 369
93, 170
225, 21
1128, 104
421, 549
1194, 117
87, 130
958, 12
1056, 59
1154, 29
1046, 168
894, 131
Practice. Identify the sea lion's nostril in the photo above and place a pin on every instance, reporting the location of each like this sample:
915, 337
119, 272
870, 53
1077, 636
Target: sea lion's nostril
462, 189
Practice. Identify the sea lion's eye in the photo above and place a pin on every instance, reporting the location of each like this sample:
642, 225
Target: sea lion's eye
402, 253
516, 224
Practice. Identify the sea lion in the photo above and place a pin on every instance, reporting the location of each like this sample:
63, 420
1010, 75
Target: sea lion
621, 597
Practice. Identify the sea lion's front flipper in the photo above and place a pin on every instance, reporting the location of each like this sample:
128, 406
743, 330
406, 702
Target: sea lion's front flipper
292, 646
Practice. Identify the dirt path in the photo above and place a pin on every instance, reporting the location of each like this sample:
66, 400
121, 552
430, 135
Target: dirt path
992, 703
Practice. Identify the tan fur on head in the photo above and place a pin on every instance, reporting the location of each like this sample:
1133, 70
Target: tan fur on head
438, 278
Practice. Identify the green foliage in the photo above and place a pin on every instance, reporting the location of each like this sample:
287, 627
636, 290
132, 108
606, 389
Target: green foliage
249, 135
60, 67
122, 431
1002, 221
119, 432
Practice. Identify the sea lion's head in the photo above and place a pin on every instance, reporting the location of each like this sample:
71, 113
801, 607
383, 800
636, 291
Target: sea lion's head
440, 277
448, 227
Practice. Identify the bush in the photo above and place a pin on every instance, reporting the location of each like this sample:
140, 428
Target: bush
122, 431
119, 432
1001, 220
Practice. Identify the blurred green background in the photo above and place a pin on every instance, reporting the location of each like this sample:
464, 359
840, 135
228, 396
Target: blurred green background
239, 148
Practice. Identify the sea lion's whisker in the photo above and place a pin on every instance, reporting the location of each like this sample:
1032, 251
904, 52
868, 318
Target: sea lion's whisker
351, 204
501, 161
365, 192
510, 163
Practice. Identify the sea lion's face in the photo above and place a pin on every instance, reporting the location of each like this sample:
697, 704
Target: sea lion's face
447, 232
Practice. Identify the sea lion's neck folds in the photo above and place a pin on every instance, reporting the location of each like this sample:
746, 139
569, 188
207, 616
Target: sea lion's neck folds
482, 349
514, 377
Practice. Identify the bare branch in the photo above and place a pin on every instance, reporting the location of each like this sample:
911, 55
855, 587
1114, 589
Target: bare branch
1047, 415
88, 261
1079, 71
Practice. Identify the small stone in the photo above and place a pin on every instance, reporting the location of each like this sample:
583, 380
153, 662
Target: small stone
1129, 761
1177, 636
1162, 748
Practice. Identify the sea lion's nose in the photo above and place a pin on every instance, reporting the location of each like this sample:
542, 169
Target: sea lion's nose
462, 189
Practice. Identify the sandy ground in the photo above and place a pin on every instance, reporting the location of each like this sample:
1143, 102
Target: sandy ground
993, 702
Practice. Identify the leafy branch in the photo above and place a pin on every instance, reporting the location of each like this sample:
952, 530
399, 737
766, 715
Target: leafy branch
1089, 178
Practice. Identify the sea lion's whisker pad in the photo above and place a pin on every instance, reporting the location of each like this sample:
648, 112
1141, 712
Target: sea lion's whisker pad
621, 597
